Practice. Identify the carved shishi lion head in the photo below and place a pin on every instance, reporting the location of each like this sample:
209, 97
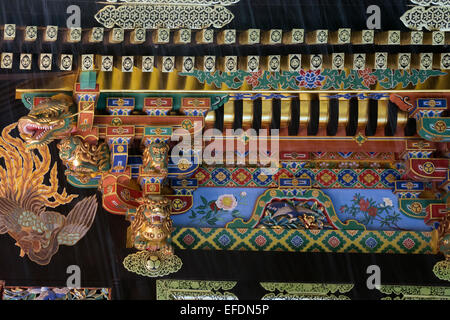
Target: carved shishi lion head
152, 225
83, 160
155, 158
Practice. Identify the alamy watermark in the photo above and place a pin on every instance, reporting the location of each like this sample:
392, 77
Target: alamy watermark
235, 147
74, 20
74, 280
374, 280
374, 20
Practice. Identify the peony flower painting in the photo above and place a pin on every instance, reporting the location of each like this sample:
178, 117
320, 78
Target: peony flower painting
226, 202
368, 212
217, 211
310, 79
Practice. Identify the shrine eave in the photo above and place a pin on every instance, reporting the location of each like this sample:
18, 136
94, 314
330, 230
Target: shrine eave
174, 82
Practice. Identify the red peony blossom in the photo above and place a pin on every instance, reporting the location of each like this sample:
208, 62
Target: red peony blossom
364, 205
253, 80
213, 205
343, 208
372, 211
311, 79
368, 79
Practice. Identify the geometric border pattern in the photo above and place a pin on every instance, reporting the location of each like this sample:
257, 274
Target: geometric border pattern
320, 178
332, 241
402, 292
306, 291
170, 289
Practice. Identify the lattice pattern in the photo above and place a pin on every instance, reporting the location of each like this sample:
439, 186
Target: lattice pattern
430, 2
306, 291
320, 178
194, 289
415, 292
433, 18
164, 16
335, 241
199, 2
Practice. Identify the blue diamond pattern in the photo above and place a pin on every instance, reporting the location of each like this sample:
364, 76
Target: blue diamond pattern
261, 178
297, 241
387, 173
308, 172
220, 176
347, 173
224, 240
371, 242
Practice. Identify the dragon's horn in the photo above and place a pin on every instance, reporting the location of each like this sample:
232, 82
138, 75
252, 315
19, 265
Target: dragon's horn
63, 97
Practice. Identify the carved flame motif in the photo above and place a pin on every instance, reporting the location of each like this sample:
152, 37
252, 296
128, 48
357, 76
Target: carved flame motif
24, 197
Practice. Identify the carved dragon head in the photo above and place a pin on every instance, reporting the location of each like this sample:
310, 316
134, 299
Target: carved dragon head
50, 120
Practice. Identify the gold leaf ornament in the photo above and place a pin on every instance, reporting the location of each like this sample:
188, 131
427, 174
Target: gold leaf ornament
152, 264
442, 270
24, 197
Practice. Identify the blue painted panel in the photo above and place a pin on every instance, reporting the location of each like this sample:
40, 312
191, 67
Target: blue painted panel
437, 103
377, 209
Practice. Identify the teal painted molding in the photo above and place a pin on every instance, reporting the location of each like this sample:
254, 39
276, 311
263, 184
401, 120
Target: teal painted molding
217, 100
27, 98
88, 80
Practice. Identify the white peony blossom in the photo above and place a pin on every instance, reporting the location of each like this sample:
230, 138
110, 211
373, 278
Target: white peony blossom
388, 202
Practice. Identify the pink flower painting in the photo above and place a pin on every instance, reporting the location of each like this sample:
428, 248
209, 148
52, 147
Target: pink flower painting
226, 202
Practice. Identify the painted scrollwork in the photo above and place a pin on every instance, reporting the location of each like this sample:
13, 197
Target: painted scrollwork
199, 2
169, 289
306, 291
400, 292
430, 2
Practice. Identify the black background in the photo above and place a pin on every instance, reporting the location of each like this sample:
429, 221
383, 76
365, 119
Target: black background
263, 14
